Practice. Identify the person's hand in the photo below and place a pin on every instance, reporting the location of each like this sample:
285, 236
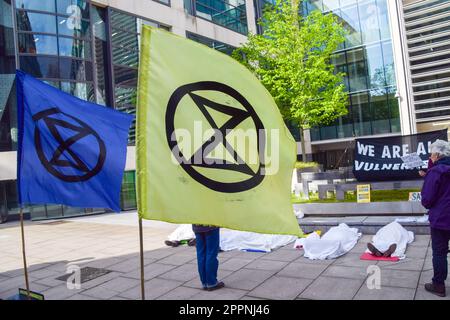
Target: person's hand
422, 173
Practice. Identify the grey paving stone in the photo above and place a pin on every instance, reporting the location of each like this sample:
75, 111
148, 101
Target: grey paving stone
399, 278
405, 264
120, 284
250, 255
420, 241
327, 288
150, 271
302, 270
346, 272
314, 262
59, 293
422, 294
159, 253
97, 281
178, 259
280, 288
427, 276
283, 255
269, 265
221, 294
81, 297
385, 293
416, 252
182, 273
100, 293
195, 283
251, 298
153, 289
246, 279
234, 264
353, 260
180, 293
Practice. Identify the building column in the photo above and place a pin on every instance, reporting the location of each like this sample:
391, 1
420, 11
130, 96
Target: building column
402, 68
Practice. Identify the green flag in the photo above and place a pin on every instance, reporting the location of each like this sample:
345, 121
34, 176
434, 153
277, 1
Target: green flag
211, 145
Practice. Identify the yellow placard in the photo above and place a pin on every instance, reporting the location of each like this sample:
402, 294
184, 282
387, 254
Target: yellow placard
363, 193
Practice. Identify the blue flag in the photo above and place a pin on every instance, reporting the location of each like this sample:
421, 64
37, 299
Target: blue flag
71, 151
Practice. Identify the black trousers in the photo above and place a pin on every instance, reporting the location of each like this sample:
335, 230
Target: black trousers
439, 244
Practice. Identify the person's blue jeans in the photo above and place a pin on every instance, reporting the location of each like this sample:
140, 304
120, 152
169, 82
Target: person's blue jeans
439, 244
207, 244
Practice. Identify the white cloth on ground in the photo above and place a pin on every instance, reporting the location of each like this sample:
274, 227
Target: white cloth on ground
335, 242
243, 240
390, 234
183, 232
300, 242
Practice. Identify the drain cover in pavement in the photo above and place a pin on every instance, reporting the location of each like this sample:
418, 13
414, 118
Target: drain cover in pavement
87, 274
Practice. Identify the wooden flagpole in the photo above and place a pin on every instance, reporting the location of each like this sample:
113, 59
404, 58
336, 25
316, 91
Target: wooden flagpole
141, 246
25, 269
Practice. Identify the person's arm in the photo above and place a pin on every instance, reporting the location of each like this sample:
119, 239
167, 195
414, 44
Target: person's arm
430, 189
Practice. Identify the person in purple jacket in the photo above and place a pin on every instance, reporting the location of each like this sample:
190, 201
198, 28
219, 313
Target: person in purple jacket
208, 246
436, 198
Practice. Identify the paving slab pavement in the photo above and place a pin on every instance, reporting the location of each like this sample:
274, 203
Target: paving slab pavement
111, 242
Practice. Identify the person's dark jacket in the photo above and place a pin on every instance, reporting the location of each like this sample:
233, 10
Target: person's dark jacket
197, 228
436, 194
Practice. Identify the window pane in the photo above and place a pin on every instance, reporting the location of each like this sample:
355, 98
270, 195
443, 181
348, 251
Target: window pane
80, 90
75, 69
73, 28
328, 132
350, 20
125, 57
385, 29
380, 110
74, 47
361, 114
100, 54
124, 21
340, 65
375, 66
36, 22
125, 76
37, 44
124, 39
41, 5
330, 5
76, 9
394, 110
40, 67
369, 22
389, 67
357, 70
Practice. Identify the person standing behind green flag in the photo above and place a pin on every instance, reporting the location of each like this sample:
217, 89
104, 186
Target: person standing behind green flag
211, 145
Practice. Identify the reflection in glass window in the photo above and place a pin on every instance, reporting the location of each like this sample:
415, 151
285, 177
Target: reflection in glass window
83, 91
40, 66
357, 70
361, 114
219, 46
36, 22
37, 44
74, 47
330, 5
350, 20
380, 112
75, 69
375, 66
368, 13
227, 13
76, 9
40, 5
72, 28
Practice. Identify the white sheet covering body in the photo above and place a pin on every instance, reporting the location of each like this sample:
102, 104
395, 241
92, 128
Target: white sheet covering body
183, 232
335, 242
393, 233
242, 240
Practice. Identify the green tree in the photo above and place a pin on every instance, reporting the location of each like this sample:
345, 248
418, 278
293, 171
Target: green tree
292, 58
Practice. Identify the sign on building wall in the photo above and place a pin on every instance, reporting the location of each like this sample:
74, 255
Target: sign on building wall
380, 159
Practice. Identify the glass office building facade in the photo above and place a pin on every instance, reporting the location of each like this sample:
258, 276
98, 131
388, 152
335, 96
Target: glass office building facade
367, 59
88, 51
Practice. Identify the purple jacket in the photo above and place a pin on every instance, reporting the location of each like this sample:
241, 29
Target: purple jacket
436, 194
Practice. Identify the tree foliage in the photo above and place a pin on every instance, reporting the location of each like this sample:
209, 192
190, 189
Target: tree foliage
292, 58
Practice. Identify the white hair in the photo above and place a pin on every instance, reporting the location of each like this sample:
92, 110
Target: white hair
441, 147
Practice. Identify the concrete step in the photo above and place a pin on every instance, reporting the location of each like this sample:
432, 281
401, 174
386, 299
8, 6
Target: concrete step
365, 224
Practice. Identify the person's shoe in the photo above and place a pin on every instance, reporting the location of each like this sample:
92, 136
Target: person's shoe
374, 250
172, 243
438, 290
390, 250
192, 243
217, 286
